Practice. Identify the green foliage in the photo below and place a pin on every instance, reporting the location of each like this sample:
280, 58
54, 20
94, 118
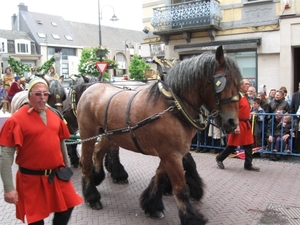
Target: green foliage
87, 63
17, 67
46, 66
137, 68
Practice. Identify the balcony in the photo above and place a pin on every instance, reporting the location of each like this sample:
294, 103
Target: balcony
201, 15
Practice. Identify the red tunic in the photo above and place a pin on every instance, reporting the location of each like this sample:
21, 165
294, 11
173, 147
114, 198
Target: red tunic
38, 148
245, 137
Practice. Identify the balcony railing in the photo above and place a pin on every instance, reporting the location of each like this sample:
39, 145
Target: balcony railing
195, 15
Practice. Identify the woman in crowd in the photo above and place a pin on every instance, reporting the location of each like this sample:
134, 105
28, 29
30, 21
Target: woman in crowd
14, 88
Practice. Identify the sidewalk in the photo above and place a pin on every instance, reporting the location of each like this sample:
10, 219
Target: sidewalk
232, 196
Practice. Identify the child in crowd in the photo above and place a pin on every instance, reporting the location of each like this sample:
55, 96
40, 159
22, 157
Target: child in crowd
257, 121
279, 131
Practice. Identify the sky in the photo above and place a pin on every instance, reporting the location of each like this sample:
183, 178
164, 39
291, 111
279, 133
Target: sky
86, 11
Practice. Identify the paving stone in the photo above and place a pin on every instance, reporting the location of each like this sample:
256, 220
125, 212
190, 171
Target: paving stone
232, 196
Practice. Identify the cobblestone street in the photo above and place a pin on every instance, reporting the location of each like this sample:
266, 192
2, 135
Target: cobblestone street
232, 196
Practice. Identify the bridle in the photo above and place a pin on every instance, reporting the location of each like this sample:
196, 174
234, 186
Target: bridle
201, 122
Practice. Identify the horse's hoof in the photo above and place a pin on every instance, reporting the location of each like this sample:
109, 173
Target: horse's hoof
120, 181
157, 215
96, 205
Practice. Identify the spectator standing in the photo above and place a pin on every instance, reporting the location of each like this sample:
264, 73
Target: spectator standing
7, 79
216, 136
242, 135
52, 73
41, 156
286, 96
251, 95
279, 103
15, 87
295, 109
257, 122
263, 89
272, 94
264, 102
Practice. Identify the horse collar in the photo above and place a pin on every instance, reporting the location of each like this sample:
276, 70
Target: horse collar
199, 124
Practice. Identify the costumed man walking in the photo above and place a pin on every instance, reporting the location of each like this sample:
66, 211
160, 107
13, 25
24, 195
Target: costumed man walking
43, 182
242, 135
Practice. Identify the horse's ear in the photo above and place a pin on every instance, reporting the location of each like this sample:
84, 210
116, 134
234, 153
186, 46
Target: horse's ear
220, 55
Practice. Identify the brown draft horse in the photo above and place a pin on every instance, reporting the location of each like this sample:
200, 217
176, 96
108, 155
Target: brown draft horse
160, 120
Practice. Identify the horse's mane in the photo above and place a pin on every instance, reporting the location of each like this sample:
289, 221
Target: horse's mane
186, 74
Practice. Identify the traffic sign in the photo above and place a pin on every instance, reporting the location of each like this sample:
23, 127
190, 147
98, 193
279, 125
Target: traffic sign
101, 66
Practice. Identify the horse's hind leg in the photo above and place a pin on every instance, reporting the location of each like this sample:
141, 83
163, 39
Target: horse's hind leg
187, 214
114, 166
151, 198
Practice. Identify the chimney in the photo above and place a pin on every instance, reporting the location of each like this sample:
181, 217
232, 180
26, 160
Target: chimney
13, 19
23, 7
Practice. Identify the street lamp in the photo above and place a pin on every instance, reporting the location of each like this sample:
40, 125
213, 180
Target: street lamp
113, 18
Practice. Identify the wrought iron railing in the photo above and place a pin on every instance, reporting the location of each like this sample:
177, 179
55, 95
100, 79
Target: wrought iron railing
187, 15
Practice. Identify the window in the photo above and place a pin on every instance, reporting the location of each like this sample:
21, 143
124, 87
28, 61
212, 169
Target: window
41, 35
54, 24
68, 37
22, 46
247, 64
3, 45
180, 1
55, 36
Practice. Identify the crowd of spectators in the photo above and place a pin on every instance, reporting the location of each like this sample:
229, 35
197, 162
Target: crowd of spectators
278, 128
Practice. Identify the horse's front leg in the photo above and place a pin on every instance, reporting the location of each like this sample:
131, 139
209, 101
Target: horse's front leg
187, 214
151, 198
101, 149
114, 166
192, 178
89, 190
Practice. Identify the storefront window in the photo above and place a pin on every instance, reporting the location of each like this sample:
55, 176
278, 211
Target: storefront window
247, 64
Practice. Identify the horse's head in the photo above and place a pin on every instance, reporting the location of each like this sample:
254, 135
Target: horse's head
58, 94
224, 87
209, 80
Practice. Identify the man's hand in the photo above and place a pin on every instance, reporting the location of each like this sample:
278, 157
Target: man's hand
11, 197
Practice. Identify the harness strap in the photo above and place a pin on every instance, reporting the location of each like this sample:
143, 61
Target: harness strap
234, 98
138, 125
128, 108
133, 137
106, 108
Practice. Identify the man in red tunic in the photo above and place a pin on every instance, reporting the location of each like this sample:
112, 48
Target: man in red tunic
37, 135
242, 135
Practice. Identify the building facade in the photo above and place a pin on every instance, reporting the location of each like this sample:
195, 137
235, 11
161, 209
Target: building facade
261, 35
40, 36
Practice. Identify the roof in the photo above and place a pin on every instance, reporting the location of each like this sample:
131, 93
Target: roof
14, 35
83, 34
112, 37
43, 23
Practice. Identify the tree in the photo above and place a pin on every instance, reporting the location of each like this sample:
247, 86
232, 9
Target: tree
137, 68
87, 63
